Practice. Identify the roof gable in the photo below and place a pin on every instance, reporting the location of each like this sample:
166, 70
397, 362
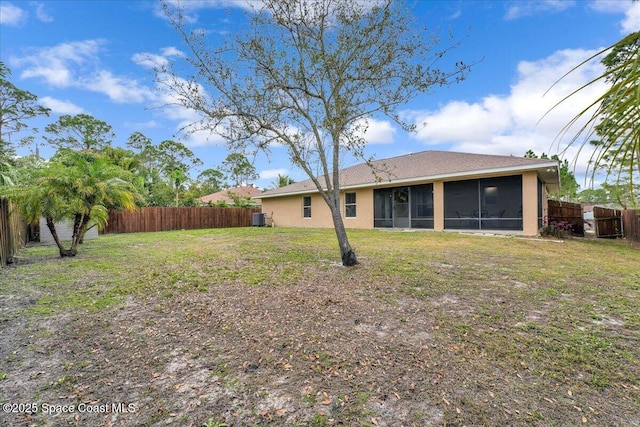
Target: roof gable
423, 166
223, 196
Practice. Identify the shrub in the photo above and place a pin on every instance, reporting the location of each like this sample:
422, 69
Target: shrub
557, 229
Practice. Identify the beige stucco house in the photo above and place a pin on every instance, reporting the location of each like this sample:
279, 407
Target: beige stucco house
436, 190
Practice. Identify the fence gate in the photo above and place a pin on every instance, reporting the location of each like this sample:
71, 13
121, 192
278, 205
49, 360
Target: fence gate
608, 222
567, 212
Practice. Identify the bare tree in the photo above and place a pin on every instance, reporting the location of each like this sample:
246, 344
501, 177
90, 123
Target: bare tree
308, 75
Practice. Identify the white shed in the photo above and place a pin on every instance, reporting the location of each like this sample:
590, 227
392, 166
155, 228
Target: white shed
64, 230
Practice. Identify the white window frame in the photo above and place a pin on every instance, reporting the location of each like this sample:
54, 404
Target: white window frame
306, 209
354, 205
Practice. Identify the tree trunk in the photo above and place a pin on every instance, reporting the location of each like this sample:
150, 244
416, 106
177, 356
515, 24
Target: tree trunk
63, 252
77, 219
347, 253
79, 233
84, 232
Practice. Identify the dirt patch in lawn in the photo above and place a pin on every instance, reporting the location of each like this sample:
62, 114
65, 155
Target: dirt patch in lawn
314, 354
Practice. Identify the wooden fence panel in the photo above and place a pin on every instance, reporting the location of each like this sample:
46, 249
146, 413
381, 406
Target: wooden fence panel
608, 222
152, 219
631, 224
13, 231
567, 212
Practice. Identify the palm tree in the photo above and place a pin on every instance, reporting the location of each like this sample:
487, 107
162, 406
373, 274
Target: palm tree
282, 181
80, 186
36, 201
616, 120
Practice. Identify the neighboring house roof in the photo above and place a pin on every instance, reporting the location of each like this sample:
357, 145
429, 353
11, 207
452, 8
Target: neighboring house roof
427, 166
220, 196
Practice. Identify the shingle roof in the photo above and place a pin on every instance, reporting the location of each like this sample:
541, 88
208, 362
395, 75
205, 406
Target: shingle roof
423, 166
244, 191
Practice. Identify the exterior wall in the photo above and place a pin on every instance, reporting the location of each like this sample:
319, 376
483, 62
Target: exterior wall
287, 211
64, 230
530, 204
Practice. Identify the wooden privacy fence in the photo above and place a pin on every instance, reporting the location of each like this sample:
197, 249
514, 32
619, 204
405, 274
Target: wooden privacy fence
567, 212
166, 219
13, 231
608, 222
631, 224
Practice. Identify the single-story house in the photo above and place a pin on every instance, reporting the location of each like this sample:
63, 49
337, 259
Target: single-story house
224, 196
437, 190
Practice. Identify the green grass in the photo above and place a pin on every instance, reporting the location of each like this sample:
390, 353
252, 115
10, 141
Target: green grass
541, 316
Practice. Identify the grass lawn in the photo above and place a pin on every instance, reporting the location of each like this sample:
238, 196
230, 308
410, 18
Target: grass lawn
263, 327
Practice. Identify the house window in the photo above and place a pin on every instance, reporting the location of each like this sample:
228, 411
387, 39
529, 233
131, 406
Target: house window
306, 207
350, 205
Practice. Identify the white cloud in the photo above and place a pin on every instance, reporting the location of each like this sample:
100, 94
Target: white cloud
41, 14
171, 51
200, 137
631, 22
525, 118
12, 15
60, 65
171, 103
118, 89
273, 173
58, 106
150, 60
455, 15
377, 131
518, 9
190, 127
631, 9
191, 7
76, 64
15, 16
155, 61
453, 121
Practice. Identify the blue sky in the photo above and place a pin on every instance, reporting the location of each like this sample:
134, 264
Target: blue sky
87, 57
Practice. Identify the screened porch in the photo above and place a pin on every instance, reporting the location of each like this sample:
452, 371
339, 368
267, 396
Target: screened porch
484, 204
475, 204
